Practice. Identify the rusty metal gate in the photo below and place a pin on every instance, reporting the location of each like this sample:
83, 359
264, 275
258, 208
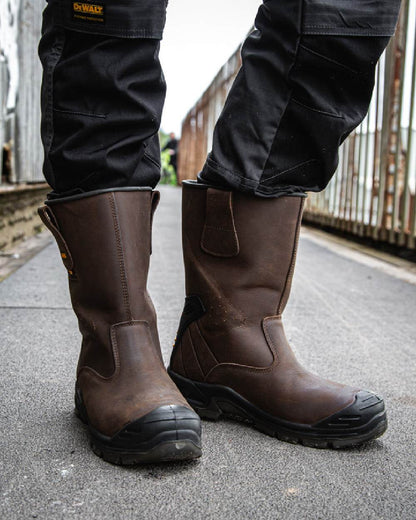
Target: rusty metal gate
20, 77
372, 193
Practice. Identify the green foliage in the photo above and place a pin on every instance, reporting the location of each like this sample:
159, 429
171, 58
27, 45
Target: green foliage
163, 138
168, 171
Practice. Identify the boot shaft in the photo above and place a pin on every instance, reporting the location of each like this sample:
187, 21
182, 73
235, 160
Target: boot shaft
105, 241
231, 356
239, 252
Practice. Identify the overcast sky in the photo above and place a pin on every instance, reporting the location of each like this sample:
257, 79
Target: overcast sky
199, 38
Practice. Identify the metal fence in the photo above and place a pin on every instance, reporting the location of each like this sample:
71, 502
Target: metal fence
198, 125
372, 193
20, 77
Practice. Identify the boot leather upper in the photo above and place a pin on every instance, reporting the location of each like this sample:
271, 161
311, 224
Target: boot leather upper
240, 263
105, 242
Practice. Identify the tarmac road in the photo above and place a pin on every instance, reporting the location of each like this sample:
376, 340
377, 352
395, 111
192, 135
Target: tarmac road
347, 319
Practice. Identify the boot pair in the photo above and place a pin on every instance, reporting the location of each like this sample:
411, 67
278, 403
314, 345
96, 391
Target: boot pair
230, 358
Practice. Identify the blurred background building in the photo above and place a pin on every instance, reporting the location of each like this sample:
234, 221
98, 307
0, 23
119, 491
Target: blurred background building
22, 185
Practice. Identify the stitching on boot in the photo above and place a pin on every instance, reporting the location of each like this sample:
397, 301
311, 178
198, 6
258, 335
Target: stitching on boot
269, 337
210, 280
205, 342
120, 254
219, 235
203, 345
194, 353
291, 270
115, 350
182, 363
116, 357
257, 370
48, 218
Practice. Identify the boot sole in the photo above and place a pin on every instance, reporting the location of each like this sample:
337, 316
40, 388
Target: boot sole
362, 421
167, 434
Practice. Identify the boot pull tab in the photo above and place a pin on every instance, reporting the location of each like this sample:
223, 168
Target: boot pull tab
49, 220
155, 201
219, 236
154, 204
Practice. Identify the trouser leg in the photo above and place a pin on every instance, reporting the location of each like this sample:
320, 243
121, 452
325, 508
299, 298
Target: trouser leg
306, 82
102, 94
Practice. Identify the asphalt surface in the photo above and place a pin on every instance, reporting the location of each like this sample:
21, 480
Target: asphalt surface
347, 320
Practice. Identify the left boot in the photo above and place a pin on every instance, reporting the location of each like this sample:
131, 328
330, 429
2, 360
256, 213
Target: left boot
134, 412
231, 356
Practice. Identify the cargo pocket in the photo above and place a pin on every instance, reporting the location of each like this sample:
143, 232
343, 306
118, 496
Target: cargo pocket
331, 84
350, 17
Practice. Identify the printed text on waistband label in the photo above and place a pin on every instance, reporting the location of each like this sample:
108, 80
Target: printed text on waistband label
88, 12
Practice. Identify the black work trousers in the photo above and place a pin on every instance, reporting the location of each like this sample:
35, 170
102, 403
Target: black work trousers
305, 83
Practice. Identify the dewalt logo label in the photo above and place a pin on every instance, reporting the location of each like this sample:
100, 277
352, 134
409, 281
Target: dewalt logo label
88, 12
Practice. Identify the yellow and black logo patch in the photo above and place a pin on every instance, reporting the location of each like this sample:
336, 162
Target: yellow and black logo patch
88, 12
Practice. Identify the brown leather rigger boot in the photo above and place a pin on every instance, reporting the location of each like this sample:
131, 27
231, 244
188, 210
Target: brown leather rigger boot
231, 356
134, 412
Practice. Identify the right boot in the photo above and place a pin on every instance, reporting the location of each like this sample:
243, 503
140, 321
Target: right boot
231, 356
135, 413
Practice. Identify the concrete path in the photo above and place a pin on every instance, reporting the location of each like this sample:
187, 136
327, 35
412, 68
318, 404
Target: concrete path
347, 319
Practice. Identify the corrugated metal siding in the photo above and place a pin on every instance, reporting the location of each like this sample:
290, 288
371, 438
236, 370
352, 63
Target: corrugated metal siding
4, 81
20, 77
198, 126
28, 148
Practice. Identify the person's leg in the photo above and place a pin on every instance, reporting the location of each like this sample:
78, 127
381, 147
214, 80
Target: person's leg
305, 82
102, 97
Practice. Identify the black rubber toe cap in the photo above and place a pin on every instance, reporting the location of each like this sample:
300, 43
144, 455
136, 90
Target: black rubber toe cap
166, 423
168, 433
363, 415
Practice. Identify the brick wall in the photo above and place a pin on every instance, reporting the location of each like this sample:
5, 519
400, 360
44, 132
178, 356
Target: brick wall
18, 213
